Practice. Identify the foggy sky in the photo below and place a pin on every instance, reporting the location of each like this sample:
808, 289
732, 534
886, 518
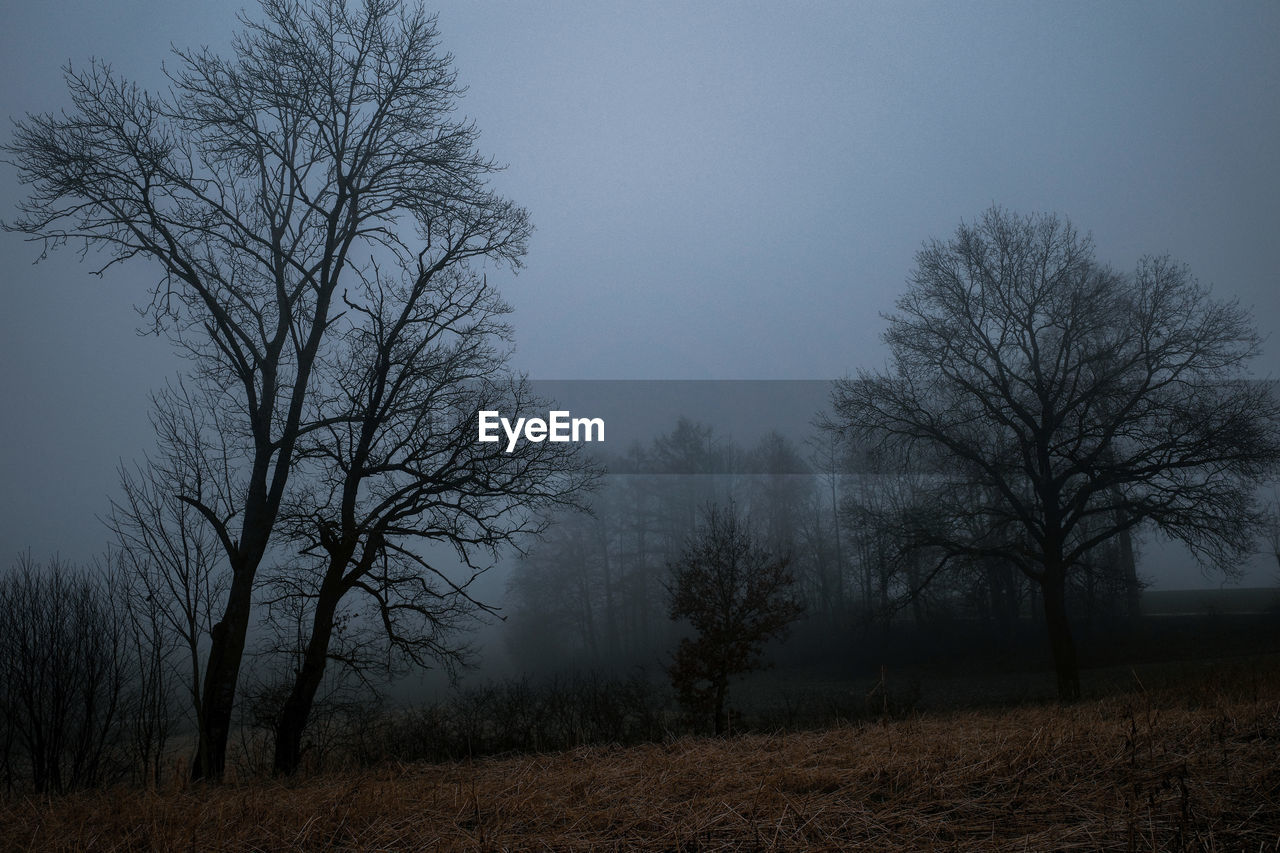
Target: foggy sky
728, 191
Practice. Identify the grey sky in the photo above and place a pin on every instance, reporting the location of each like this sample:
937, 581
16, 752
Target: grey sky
720, 190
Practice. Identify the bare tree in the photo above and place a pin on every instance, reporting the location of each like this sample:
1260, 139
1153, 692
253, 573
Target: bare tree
166, 553
397, 467
64, 671
148, 648
1083, 401
736, 595
883, 506
1271, 525
258, 186
829, 460
560, 595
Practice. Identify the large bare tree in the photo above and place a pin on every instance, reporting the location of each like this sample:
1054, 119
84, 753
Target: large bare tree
1080, 401
257, 186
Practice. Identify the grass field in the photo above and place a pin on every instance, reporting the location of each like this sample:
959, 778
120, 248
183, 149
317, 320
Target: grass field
1191, 765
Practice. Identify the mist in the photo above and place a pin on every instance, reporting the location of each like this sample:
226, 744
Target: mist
925, 358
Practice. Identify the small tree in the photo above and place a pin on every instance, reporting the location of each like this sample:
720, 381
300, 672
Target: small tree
165, 554
63, 676
736, 595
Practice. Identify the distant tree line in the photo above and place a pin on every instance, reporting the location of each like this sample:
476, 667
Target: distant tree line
592, 592
1041, 411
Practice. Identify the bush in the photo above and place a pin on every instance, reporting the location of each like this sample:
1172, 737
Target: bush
63, 680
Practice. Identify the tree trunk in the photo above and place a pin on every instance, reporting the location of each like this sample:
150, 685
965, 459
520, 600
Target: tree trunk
1128, 566
226, 650
918, 616
1004, 600
1132, 588
1053, 589
612, 644
835, 519
722, 688
292, 721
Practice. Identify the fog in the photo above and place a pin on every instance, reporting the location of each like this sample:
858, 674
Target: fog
720, 192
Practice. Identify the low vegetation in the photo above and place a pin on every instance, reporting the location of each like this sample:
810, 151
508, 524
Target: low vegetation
1187, 765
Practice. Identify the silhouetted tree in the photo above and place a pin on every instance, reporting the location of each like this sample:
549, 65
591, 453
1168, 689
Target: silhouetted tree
828, 458
166, 557
261, 187
1081, 401
561, 596
736, 595
64, 676
882, 507
1271, 525
776, 492
148, 648
397, 468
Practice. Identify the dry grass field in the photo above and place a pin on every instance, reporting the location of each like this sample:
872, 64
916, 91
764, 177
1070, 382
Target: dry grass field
1194, 766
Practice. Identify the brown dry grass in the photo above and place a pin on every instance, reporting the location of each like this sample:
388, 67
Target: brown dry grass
1181, 769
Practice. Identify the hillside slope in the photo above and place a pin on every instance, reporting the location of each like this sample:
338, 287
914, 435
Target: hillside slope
1191, 767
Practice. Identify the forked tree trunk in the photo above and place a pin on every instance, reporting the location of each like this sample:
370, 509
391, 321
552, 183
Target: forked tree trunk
1053, 590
